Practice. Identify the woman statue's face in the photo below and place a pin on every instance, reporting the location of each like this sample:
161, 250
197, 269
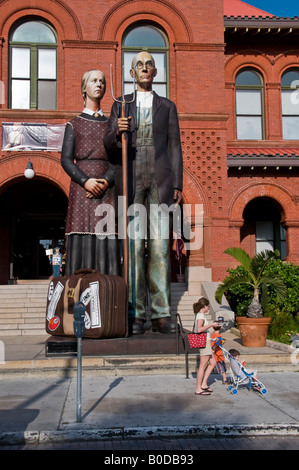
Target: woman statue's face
95, 86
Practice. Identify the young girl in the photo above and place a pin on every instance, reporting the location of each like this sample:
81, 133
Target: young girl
207, 359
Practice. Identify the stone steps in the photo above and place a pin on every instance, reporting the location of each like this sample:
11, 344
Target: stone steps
22, 309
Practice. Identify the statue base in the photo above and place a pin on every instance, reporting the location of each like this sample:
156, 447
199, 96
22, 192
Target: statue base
148, 343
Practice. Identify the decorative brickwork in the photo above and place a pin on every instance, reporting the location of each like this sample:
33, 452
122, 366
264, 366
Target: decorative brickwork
203, 158
206, 50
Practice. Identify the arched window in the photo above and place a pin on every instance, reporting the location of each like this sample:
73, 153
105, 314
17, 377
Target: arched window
263, 218
148, 38
290, 104
249, 105
33, 66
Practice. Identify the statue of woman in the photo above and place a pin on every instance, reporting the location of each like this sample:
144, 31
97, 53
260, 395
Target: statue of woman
90, 229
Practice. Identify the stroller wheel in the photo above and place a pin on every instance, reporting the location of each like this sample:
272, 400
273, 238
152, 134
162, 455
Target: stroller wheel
234, 391
230, 388
264, 391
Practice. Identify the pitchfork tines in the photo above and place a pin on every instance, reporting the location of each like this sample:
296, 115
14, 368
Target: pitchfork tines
122, 100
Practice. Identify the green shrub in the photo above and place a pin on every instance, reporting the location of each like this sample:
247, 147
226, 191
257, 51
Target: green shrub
284, 314
251, 273
239, 296
283, 325
289, 273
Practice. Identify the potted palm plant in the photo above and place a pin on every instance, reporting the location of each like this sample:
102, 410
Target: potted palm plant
254, 326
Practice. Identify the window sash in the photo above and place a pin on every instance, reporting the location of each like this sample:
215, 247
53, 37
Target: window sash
290, 114
34, 32
265, 237
248, 78
46, 94
264, 233
290, 127
249, 114
290, 102
290, 105
20, 94
249, 128
20, 62
249, 102
33, 57
47, 63
249, 99
42, 65
145, 35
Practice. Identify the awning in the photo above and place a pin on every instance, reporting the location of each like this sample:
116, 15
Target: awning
263, 157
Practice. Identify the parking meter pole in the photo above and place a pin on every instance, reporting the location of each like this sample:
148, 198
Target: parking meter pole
79, 314
79, 379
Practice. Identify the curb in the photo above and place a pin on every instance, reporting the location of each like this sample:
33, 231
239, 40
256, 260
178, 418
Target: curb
278, 360
212, 431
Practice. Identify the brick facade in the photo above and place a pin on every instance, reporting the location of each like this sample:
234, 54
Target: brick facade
203, 63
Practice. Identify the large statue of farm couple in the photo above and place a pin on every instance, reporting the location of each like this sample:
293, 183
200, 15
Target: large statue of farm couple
92, 157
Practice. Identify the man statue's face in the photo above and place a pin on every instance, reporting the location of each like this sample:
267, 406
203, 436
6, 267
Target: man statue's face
145, 71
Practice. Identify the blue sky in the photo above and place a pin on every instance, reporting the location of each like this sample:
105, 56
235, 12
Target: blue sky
277, 7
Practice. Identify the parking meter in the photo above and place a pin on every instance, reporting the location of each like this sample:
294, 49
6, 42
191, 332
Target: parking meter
79, 314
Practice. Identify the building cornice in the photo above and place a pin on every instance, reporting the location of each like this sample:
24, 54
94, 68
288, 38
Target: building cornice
192, 46
261, 25
262, 21
78, 44
35, 115
203, 116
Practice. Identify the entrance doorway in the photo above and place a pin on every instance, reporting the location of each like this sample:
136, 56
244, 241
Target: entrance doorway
34, 212
262, 220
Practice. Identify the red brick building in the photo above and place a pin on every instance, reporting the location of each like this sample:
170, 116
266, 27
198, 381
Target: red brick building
230, 68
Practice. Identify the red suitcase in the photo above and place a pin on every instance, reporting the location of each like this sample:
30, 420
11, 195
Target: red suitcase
105, 300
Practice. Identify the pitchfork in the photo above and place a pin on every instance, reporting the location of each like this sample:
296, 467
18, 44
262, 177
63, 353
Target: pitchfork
124, 141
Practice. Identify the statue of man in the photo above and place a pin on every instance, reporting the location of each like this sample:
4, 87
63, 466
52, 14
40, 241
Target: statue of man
155, 175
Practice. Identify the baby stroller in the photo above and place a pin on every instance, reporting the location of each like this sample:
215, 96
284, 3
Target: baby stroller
239, 375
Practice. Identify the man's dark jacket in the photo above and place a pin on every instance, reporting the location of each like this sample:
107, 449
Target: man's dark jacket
167, 144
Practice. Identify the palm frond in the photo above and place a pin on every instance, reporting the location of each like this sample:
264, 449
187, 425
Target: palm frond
252, 274
231, 281
240, 255
260, 261
278, 284
244, 259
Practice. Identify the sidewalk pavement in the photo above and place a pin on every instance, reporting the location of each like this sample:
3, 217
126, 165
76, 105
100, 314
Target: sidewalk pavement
39, 404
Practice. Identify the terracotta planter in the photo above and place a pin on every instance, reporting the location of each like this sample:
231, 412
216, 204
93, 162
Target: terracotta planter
253, 331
